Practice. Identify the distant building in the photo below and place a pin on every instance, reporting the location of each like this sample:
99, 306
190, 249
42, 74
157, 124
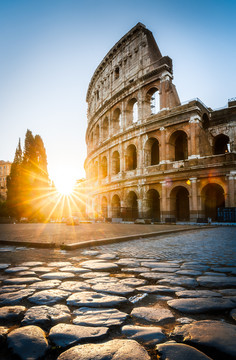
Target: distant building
150, 156
5, 168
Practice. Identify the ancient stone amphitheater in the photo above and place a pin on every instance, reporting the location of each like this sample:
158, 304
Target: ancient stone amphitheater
149, 155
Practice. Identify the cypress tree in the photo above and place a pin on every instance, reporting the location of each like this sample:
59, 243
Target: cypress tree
14, 184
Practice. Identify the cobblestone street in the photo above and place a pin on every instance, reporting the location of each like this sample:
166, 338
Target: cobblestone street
172, 296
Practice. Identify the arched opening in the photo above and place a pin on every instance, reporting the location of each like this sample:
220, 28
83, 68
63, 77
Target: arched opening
115, 207
221, 144
115, 163
104, 167
179, 146
152, 152
131, 157
153, 99
131, 112
213, 198
104, 207
116, 120
153, 205
135, 112
179, 199
105, 129
117, 73
132, 206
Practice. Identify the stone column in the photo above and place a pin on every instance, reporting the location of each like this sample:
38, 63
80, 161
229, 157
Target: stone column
193, 200
163, 202
162, 146
193, 150
231, 196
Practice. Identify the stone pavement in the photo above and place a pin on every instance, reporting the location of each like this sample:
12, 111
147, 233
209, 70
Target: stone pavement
95, 303
72, 237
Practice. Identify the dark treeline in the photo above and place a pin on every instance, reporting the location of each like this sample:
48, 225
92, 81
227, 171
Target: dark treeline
28, 184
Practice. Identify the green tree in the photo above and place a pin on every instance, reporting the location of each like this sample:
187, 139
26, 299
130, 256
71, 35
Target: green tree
14, 184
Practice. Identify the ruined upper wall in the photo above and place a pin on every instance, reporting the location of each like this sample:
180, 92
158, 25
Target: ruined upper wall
132, 58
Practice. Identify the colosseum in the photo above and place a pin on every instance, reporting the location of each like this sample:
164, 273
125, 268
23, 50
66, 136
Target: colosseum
149, 156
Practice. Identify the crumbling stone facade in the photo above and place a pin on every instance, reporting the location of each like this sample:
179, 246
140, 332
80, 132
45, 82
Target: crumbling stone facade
149, 156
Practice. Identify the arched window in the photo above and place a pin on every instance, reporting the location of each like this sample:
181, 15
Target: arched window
131, 157
153, 99
116, 120
213, 198
179, 200
153, 205
221, 144
178, 146
135, 112
104, 167
117, 72
132, 206
115, 163
105, 128
132, 112
115, 207
152, 152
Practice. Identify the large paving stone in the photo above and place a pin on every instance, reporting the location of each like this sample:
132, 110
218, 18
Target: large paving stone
227, 292
74, 269
154, 276
94, 299
41, 269
43, 285
28, 342
57, 275
179, 281
11, 313
144, 334
32, 263
189, 272
74, 286
158, 264
212, 334
4, 266
11, 288
3, 333
111, 350
128, 262
100, 265
201, 305
59, 263
14, 298
88, 253
16, 269
133, 282
99, 317
197, 294
67, 334
153, 314
155, 289
174, 351
94, 274
108, 256
115, 289
21, 280
48, 297
102, 280
44, 315
216, 281
135, 270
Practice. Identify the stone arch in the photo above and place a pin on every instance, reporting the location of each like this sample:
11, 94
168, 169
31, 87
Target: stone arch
131, 157
104, 167
153, 205
132, 206
116, 120
152, 155
179, 203
116, 73
105, 128
104, 208
115, 206
132, 112
221, 144
115, 168
213, 197
153, 99
178, 146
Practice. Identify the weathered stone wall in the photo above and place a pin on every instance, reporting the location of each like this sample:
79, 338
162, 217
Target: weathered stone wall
148, 155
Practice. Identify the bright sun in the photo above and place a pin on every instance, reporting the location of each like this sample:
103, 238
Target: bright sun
64, 186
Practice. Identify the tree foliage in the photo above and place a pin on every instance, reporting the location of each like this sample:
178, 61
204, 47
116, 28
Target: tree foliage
28, 182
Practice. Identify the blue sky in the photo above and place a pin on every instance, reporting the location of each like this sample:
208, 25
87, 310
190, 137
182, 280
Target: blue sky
50, 49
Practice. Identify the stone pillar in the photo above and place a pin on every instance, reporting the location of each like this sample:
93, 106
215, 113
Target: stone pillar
163, 201
140, 208
193, 203
230, 200
162, 146
193, 150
